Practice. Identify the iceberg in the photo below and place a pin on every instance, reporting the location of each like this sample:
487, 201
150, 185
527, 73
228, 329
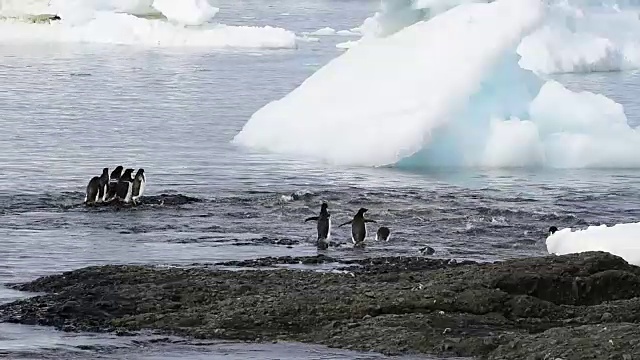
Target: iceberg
447, 91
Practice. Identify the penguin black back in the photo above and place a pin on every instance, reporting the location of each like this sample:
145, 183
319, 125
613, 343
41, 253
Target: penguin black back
383, 233
125, 186
116, 173
323, 227
113, 184
93, 191
358, 228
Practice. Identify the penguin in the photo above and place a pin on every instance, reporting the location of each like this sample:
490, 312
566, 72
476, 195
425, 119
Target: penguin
427, 250
93, 191
383, 234
324, 226
552, 230
358, 228
116, 173
113, 182
139, 182
124, 187
104, 185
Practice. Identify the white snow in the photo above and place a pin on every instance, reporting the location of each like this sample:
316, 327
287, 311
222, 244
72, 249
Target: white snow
620, 240
187, 12
113, 22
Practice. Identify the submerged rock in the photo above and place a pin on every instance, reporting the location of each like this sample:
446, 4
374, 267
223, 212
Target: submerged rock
579, 306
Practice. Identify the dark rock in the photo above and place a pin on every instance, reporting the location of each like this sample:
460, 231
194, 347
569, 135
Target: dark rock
534, 308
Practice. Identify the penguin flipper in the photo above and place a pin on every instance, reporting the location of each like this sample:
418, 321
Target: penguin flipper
347, 223
369, 220
315, 218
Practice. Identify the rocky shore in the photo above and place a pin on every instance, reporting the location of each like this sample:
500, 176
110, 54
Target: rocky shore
581, 306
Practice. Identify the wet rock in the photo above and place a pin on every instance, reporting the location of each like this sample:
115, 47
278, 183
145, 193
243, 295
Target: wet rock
606, 317
283, 260
534, 308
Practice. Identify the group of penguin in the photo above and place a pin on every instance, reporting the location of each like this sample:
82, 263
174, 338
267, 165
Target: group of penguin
358, 228
119, 186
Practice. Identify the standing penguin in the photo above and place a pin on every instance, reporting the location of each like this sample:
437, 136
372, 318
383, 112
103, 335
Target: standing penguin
104, 185
93, 191
358, 228
124, 188
324, 226
139, 182
113, 182
116, 173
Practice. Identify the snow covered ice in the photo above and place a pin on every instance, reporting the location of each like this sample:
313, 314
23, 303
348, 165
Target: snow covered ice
620, 240
446, 91
187, 23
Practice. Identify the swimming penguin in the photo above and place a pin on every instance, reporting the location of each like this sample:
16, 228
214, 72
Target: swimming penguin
383, 234
124, 188
113, 182
427, 250
552, 230
93, 191
139, 182
358, 228
324, 226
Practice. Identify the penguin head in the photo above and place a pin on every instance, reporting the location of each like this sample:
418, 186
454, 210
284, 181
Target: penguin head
127, 174
105, 171
117, 172
140, 173
324, 206
362, 211
552, 230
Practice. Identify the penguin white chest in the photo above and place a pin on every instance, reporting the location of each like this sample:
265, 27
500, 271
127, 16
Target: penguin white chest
127, 198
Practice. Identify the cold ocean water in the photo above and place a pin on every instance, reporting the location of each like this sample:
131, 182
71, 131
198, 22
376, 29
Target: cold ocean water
70, 108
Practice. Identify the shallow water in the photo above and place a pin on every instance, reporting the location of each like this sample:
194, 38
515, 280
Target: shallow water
69, 110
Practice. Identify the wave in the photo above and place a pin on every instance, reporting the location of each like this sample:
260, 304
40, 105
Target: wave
158, 23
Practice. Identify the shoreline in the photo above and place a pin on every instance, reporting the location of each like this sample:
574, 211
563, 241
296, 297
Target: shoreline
571, 306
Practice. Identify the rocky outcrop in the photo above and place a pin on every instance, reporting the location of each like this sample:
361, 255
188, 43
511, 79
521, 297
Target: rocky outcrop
580, 306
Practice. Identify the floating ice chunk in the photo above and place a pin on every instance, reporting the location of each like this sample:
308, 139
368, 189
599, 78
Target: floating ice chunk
583, 129
114, 28
187, 12
347, 44
513, 143
620, 240
346, 33
382, 100
324, 32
